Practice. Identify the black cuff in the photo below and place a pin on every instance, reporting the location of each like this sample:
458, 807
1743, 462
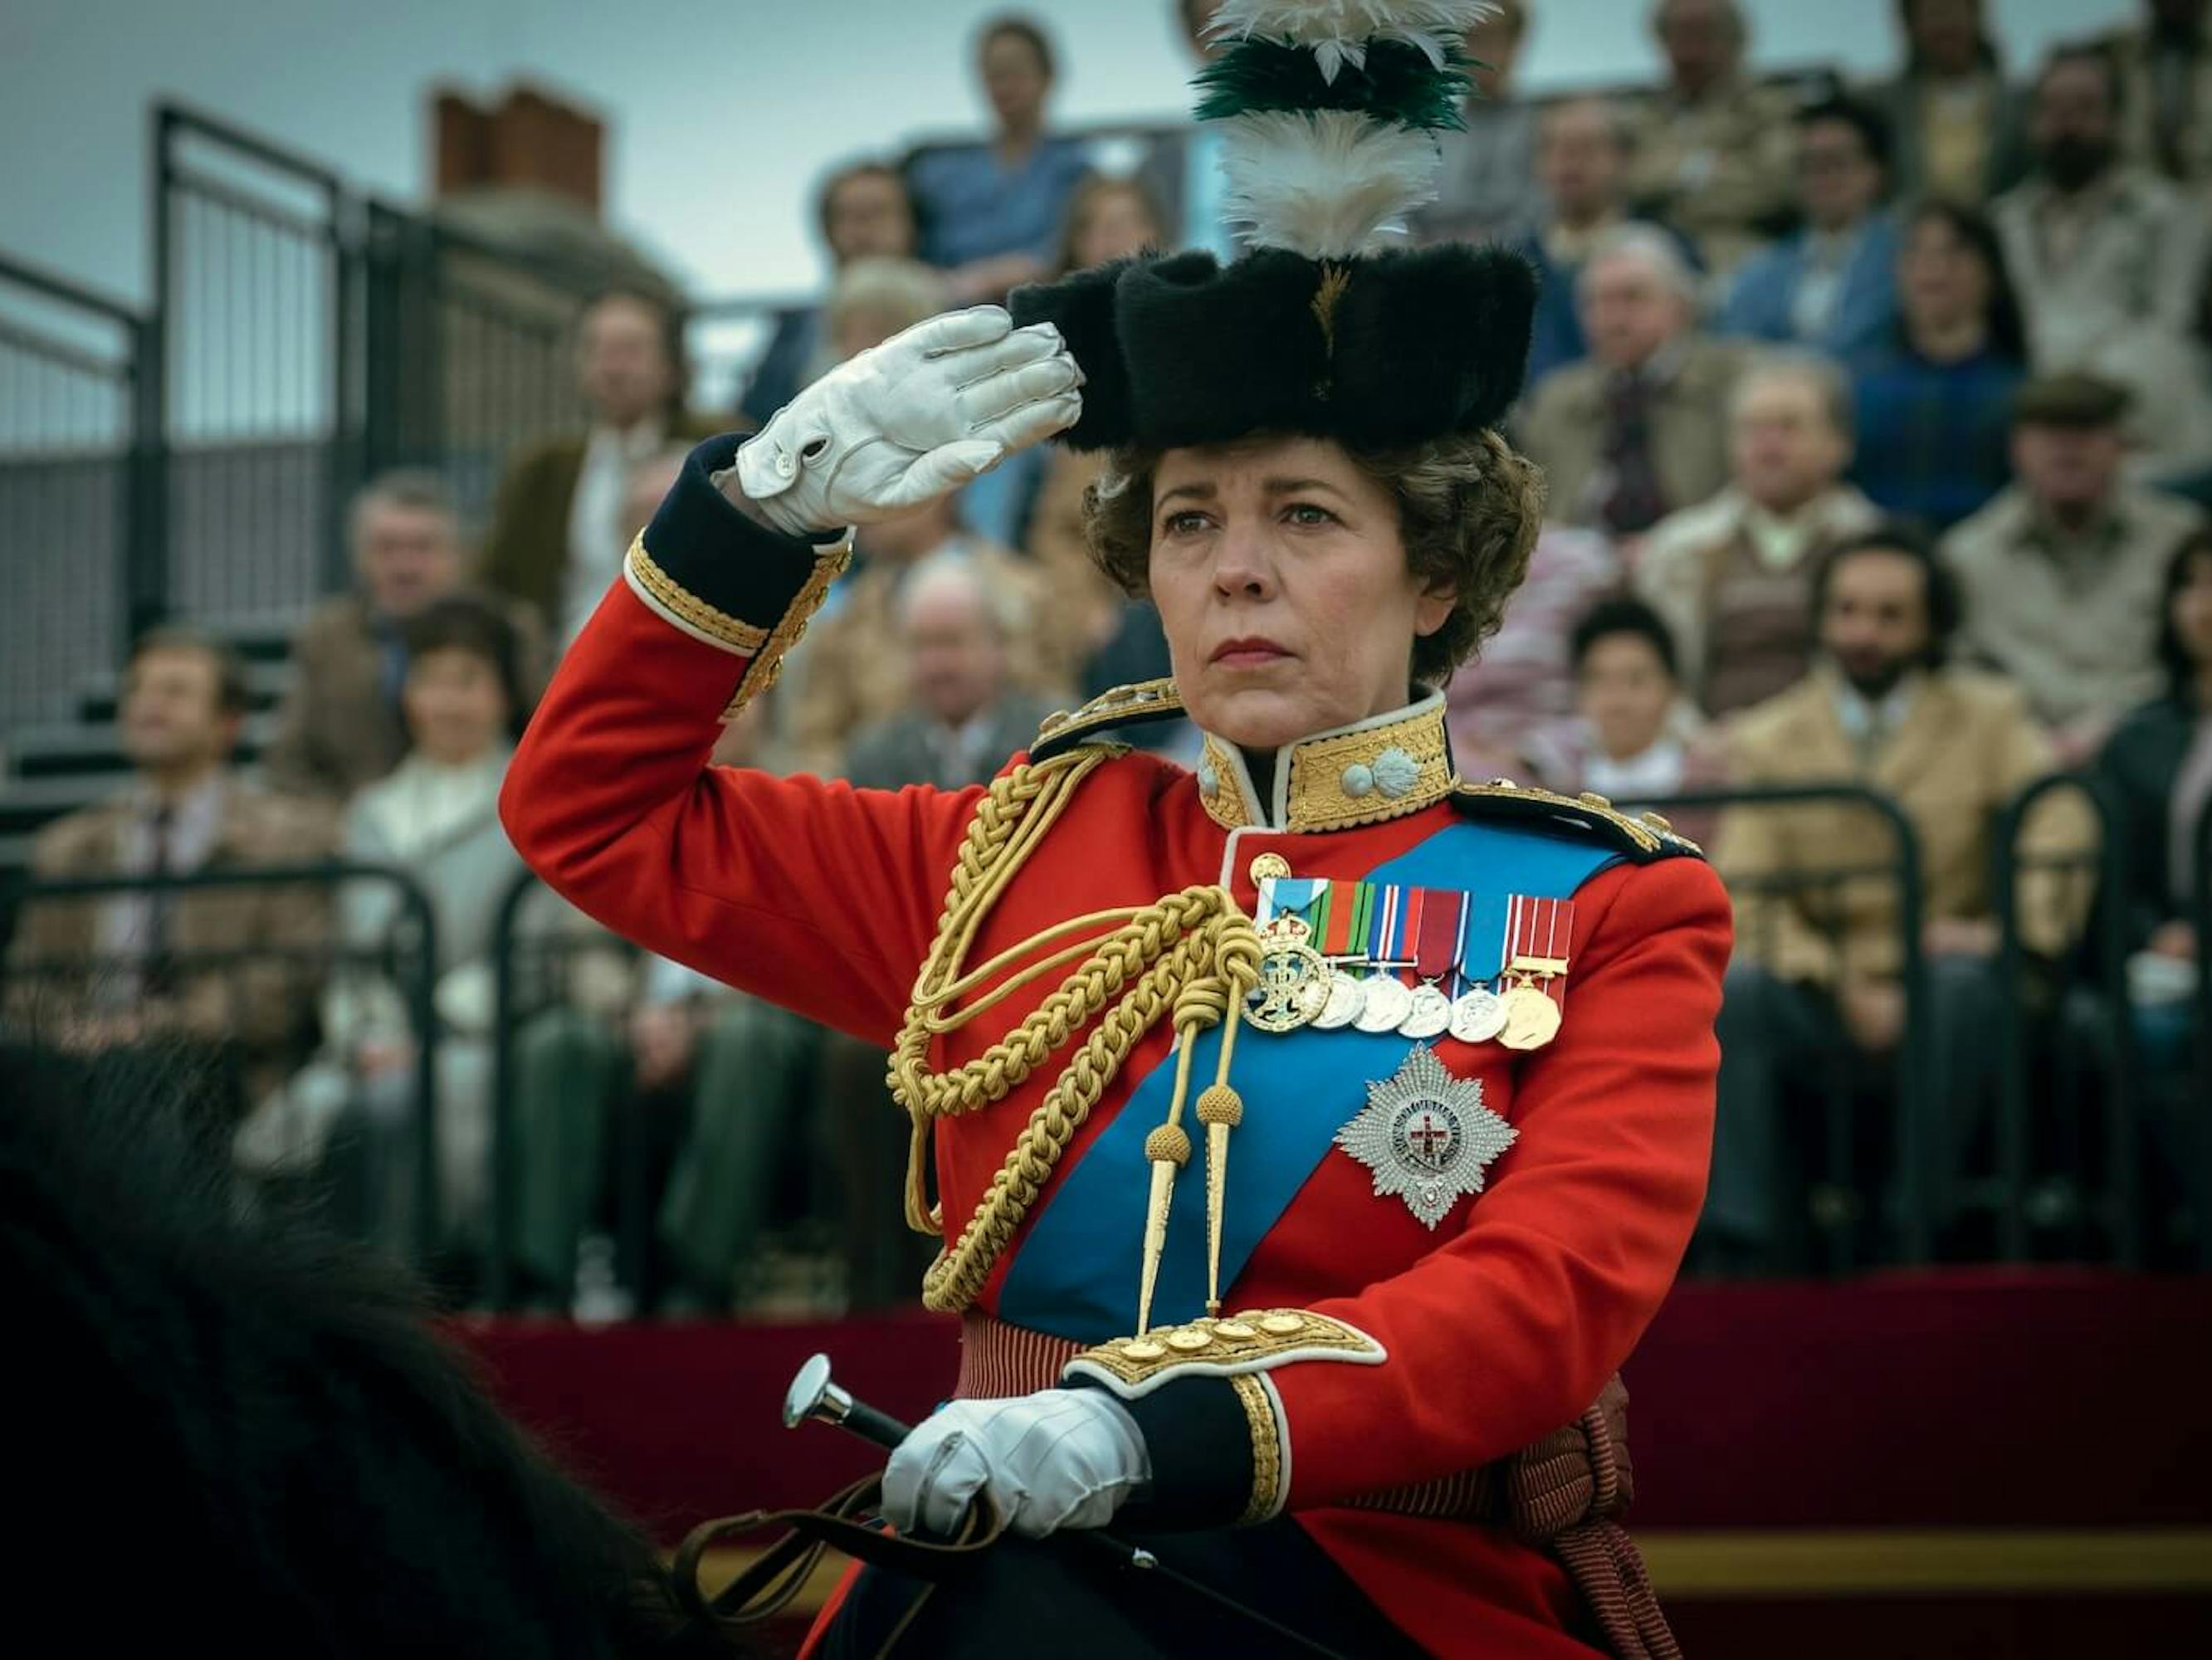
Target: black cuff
721, 557
1200, 1440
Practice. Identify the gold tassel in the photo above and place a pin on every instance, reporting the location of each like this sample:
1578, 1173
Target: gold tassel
1169, 1149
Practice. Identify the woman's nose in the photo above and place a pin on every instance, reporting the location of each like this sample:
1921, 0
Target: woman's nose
1244, 564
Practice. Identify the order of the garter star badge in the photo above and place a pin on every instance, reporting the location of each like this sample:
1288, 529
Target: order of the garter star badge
1426, 1135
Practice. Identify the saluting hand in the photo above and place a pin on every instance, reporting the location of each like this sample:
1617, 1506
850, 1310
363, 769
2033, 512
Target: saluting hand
920, 415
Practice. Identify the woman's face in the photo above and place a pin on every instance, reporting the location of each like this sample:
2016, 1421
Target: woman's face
2191, 610
1941, 278
1116, 225
1014, 81
1282, 585
456, 707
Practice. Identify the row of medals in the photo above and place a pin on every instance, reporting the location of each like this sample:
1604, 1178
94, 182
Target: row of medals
1299, 986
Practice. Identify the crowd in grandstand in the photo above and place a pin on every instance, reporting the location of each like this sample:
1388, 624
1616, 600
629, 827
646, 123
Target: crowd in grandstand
1877, 421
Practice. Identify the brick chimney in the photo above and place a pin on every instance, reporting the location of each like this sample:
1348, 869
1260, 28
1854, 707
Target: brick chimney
529, 140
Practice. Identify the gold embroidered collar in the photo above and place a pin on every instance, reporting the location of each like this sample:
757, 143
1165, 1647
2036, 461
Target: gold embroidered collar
1384, 766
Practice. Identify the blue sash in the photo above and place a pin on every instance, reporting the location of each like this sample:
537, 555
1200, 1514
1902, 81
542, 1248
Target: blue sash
1075, 1272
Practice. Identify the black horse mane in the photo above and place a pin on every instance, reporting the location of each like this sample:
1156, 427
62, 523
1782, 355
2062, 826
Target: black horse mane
232, 1425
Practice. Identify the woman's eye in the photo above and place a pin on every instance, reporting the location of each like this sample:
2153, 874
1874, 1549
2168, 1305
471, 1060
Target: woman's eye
1183, 524
1305, 513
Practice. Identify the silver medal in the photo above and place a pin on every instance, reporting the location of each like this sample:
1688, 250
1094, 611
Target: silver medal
1385, 1003
1346, 997
1478, 1015
1428, 1012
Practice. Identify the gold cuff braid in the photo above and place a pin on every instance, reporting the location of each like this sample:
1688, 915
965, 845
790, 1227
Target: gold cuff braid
1235, 1346
1267, 1493
740, 635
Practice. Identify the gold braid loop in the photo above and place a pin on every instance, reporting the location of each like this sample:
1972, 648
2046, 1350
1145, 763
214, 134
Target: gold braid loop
1184, 956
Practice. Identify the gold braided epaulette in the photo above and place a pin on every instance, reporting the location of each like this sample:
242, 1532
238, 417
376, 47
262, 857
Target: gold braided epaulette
1232, 1346
1124, 706
1644, 838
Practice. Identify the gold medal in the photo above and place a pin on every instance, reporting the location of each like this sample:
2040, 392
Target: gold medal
1294, 979
1532, 1019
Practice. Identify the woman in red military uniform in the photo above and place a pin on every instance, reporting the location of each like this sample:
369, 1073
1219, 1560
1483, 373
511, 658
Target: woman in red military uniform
1314, 1134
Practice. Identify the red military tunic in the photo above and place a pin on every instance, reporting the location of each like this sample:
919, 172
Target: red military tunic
1496, 1329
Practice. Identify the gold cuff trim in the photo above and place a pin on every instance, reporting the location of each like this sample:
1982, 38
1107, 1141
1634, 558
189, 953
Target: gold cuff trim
686, 609
767, 663
1270, 1477
1235, 1345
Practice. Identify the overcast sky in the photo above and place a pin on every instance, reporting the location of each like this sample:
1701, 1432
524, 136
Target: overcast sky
722, 111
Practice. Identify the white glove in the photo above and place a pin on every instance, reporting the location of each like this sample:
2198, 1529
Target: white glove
922, 414
1059, 1458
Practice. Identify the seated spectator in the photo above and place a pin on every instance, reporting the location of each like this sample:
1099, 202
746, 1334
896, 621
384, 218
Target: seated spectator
989, 212
230, 973
1630, 741
1582, 163
1107, 219
856, 670
341, 726
1712, 149
1818, 959
1634, 431
865, 213
1513, 706
963, 717
1831, 286
2061, 572
1934, 400
435, 817
2157, 766
1486, 190
554, 543
2165, 65
1181, 170
1956, 127
2110, 264
874, 299
1733, 576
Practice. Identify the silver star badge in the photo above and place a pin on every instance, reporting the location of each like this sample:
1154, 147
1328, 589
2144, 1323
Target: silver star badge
1426, 1135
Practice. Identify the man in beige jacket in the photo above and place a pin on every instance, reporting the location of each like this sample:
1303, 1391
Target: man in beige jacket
1819, 947
1634, 431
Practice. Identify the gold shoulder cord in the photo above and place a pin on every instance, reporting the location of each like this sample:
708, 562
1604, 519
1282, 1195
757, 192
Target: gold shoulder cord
1193, 955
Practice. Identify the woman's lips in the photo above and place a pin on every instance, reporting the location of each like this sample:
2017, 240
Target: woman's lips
1247, 653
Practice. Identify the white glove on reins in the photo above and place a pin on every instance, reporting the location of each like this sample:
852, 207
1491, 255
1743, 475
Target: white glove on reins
920, 415
1059, 1458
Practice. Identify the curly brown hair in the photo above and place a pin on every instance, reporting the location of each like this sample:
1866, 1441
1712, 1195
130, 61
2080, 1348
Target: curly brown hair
1468, 512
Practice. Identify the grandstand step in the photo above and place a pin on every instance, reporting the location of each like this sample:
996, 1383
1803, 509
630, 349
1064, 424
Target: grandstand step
87, 748
267, 680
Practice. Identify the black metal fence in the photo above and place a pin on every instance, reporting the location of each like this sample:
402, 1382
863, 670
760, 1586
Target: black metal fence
75, 527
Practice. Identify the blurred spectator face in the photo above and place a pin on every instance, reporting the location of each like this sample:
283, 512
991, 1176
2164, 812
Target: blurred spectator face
1196, 15
621, 358
1946, 35
2067, 469
1783, 444
406, 554
1624, 692
1115, 224
2072, 129
646, 489
1629, 309
1015, 82
1941, 278
744, 734
1496, 42
1836, 181
906, 537
868, 217
456, 708
1580, 160
171, 717
1874, 622
956, 657
1702, 40
861, 327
